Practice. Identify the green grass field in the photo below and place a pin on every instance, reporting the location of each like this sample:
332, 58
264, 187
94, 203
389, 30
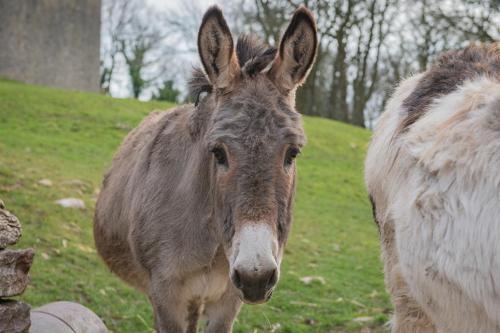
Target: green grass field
70, 138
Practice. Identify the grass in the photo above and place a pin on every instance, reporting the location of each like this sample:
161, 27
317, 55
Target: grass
66, 136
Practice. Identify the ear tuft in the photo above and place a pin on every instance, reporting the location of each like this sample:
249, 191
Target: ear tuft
259, 63
215, 46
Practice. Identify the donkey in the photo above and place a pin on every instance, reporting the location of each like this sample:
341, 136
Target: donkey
197, 205
433, 174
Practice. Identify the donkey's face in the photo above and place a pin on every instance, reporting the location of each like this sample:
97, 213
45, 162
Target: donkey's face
254, 136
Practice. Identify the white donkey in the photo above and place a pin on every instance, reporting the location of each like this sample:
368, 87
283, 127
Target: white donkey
433, 175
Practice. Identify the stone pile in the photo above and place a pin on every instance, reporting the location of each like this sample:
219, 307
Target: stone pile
14, 268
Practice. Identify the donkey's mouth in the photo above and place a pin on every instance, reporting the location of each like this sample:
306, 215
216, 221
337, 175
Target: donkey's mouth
253, 300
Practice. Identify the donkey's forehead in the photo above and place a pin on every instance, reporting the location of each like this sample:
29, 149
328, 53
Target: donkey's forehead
255, 117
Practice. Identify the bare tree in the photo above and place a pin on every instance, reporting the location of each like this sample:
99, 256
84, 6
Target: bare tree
137, 37
116, 16
367, 57
365, 47
138, 48
473, 19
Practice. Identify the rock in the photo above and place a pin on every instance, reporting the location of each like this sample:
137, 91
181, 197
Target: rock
361, 305
14, 316
10, 228
76, 183
123, 126
45, 182
71, 203
363, 319
275, 327
65, 317
310, 321
14, 268
85, 248
311, 305
310, 279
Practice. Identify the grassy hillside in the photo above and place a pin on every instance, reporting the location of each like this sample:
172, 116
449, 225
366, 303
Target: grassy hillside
70, 137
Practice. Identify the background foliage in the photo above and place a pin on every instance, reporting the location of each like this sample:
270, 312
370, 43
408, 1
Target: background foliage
366, 46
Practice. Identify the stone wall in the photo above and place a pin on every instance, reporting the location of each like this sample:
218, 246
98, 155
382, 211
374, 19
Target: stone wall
51, 42
14, 268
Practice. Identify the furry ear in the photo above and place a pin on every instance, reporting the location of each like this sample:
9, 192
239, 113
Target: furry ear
215, 46
297, 51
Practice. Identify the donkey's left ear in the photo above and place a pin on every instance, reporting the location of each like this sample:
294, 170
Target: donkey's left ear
215, 46
296, 52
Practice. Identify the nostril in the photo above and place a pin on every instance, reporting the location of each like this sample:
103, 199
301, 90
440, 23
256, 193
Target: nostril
237, 279
272, 279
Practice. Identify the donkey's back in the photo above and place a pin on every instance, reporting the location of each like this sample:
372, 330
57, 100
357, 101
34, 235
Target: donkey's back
433, 173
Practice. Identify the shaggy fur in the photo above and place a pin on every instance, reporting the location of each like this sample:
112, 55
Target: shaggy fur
436, 188
446, 75
189, 188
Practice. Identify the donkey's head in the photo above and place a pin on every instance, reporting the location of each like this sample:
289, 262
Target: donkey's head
253, 135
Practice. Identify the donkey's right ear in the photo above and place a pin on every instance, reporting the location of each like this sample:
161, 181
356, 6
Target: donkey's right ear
215, 46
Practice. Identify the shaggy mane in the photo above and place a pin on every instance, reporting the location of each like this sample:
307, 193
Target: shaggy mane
253, 57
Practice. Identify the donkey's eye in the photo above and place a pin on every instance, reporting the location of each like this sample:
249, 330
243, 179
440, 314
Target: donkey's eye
291, 154
220, 156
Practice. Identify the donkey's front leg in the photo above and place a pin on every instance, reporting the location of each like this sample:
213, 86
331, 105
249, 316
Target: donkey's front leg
170, 309
221, 314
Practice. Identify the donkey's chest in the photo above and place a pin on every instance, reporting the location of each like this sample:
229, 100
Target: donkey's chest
207, 285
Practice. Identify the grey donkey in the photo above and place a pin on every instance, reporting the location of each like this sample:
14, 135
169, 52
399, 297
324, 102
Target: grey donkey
197, 205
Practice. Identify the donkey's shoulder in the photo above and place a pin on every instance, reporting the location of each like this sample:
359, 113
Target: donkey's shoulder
159, 122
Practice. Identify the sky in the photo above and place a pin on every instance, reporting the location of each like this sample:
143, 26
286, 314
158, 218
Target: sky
172, 4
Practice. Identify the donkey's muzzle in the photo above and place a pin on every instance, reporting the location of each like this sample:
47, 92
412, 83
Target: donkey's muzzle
256, 285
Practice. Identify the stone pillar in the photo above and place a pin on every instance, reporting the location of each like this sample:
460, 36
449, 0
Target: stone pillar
51, 42
14, 268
